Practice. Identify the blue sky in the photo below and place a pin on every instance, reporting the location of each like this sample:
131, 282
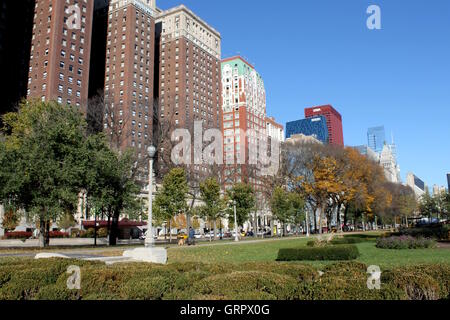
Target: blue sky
313, 52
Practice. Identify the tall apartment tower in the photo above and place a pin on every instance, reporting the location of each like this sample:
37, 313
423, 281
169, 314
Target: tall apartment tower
188, 73
129, 74
244, 108
376, 138
334, 122
60, 51
16, 25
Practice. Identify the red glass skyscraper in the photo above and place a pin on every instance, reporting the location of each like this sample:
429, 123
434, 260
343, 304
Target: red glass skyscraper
334, 122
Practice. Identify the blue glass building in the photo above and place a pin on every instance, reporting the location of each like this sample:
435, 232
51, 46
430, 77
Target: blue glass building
315, 126
375, 138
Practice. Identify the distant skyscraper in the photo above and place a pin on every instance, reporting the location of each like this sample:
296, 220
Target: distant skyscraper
129, 75
448, 181
388, 161
334, 122
60, 51
316, 127
376, 138
416, 184
274, 129
244, 108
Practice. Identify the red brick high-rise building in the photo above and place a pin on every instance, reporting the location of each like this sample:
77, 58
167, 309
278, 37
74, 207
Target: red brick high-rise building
244, 109
129, 75
334, 122
188, 74
60, 51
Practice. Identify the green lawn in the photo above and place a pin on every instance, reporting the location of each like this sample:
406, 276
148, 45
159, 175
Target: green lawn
268, 250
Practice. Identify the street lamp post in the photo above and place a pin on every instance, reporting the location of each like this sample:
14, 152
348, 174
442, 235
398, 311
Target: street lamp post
150, 253
149, 241
236, 238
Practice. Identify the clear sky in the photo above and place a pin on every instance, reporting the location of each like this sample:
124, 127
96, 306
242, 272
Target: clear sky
314, 52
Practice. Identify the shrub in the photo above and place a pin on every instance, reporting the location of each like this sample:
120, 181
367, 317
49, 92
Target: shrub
419, 282
248, 285
58, 234
439, 232
416, 285
102, 232
341, 252
405, 242
332, 287
149, 288
350, 240
18, 235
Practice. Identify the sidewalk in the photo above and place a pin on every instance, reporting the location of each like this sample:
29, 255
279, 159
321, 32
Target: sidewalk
65, 242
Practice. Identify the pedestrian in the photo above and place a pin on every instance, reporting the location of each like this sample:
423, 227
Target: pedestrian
191, 236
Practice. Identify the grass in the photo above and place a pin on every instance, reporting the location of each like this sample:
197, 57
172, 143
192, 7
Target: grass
268, 251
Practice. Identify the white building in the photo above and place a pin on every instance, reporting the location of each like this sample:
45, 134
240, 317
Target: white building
416, 184
388, 161
274, 130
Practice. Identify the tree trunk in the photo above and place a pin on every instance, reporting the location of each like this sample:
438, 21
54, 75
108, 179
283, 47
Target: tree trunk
170, 231
345, 215
255, 223
114, 233
41, 234
315, 219
215, 229
338, 218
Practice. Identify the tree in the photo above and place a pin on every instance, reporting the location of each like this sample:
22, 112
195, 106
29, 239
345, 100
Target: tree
297, 212
287, 207
109, 183
280, 205
427, 205
171, 198
48, 158
242, 194
11, 219
213, 205
66, 221
41, 164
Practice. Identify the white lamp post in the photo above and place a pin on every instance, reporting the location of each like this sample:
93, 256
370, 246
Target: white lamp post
149, 241
236, 238
150, 253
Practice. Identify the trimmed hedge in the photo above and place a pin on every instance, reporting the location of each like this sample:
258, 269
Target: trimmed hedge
439, 232
351, 240
28, 279
341, 252
405, 242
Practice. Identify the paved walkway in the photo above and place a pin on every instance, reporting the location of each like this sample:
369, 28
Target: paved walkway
99, 252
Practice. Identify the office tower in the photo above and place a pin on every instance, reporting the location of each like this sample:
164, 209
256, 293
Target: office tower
60, 51
244, 109
188, 74
274, 130
334, 122
448, 181
315, 126
129, 75
388, 161
416, 184
376, 138
16, 28
438, 190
